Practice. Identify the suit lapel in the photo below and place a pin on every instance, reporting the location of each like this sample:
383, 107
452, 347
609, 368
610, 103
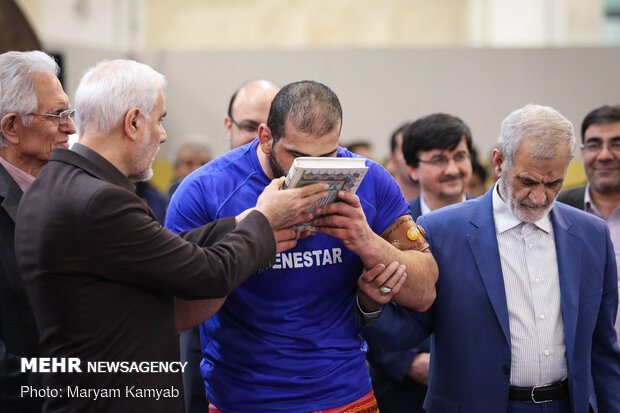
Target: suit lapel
10, 192
415, 207
483, 244
569, 269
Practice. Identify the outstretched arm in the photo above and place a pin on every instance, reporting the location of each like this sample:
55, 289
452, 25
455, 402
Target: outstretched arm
193, 312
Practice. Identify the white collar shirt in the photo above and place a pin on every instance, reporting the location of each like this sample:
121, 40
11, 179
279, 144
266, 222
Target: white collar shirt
531, 282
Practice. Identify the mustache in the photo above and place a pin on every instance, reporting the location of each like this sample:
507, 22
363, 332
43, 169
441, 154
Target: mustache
446, 178
530, 204
606, 162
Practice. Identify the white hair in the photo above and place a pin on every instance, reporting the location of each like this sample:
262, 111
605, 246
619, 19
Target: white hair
546, 125
111, 88
18, 94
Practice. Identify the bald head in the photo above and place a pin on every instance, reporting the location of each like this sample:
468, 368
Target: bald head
248, 108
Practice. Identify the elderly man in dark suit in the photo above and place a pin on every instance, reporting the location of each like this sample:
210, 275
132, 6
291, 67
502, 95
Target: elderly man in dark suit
102, 273
35, 118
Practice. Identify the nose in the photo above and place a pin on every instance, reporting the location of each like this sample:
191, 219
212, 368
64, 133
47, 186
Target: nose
452, 168
68, 126
538, 197
164, 137
605, 152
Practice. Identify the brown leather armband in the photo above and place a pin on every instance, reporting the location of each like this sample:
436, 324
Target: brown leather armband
405, 235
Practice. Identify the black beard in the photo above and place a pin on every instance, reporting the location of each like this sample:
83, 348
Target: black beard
276, 169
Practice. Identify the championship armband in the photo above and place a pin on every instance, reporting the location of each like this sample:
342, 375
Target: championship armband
405, 235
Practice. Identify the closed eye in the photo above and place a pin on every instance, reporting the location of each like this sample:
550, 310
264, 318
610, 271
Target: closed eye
528, 182
554, 183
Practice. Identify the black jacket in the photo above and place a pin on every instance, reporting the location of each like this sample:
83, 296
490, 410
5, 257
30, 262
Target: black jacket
18, 330
102, 273
573, 197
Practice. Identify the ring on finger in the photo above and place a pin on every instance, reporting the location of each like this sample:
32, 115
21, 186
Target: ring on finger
385, 290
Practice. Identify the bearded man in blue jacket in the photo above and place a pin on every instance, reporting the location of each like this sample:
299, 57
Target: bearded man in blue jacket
527, 291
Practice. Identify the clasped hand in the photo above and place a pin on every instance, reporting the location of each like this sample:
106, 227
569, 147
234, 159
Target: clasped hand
370, 283
284, 209
345, 220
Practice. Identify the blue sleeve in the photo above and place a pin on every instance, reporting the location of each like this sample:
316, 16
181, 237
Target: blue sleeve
394, 364
398, 328
605, 352
188, 208
389, 200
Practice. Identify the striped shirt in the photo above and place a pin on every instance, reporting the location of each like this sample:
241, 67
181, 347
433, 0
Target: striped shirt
532, 285
23, 179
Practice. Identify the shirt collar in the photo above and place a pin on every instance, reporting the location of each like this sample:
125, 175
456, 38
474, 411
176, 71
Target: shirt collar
506, 220
22, 178
102, 168
425, 209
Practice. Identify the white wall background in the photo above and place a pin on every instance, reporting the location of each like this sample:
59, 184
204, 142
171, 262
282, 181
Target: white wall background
488, 57
379, 89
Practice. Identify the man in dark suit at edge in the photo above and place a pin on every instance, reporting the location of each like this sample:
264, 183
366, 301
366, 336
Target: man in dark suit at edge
600, 151
102, 273
35, 119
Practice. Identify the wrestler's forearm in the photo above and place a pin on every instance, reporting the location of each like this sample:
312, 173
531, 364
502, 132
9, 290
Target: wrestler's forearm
418, 292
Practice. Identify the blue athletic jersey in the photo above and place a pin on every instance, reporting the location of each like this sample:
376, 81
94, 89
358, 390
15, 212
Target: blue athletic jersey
286, 339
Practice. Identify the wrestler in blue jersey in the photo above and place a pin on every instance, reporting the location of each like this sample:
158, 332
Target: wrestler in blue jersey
286, 339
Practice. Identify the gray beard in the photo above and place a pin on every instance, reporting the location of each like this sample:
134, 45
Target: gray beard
144, 176
139, 155
514, 205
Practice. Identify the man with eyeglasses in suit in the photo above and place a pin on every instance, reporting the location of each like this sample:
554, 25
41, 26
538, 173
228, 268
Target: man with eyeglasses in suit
600, 151
248, 108
35, 119
436, 150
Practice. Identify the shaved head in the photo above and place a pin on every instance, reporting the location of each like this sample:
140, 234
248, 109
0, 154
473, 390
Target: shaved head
248, 108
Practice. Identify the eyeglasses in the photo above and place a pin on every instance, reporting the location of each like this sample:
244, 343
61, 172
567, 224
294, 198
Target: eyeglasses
442, 161
246, 125
63, 117
595, 146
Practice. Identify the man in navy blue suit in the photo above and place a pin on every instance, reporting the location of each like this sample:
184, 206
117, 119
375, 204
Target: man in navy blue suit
527, 291
437, 150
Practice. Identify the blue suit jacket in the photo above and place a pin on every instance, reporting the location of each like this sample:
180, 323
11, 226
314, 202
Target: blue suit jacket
470, 350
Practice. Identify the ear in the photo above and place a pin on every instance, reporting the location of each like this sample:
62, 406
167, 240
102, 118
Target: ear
265, 139
228, 125
413, 173
133, 123
10, 126
498, 161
